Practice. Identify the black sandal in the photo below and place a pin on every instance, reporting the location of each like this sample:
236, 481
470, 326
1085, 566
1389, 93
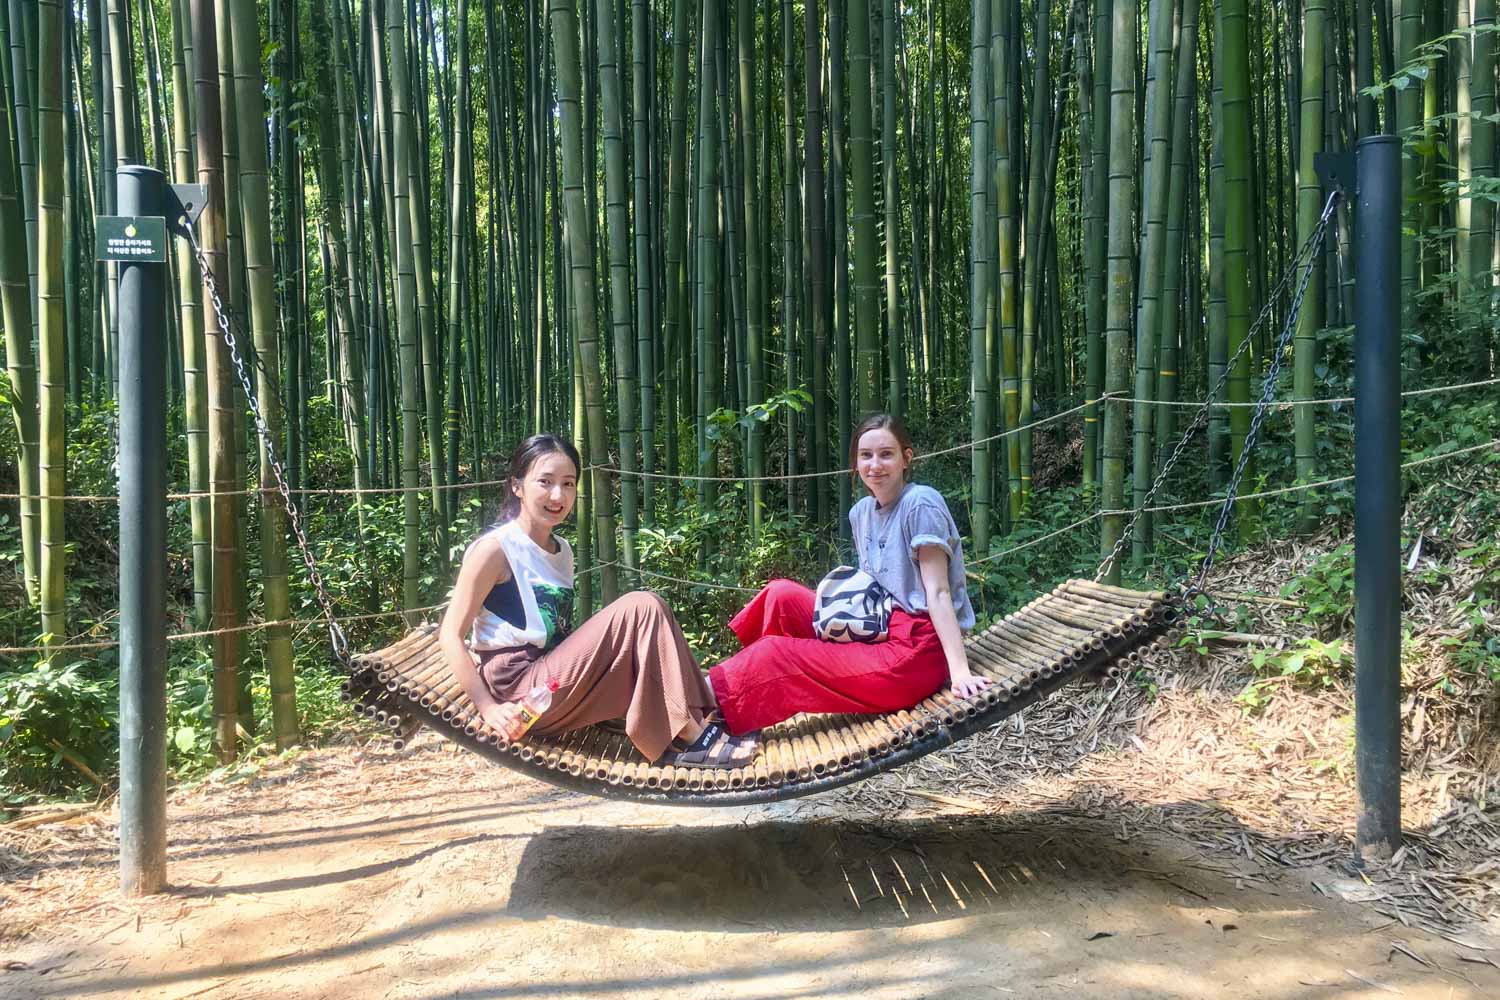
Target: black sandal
713, 748
716, 718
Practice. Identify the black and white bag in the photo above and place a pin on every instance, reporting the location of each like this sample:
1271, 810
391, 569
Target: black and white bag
852, 606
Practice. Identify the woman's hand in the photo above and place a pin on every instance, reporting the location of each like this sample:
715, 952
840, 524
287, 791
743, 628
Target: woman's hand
504, 717
965, 684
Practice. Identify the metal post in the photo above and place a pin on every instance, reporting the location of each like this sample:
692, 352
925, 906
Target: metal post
143, 549
1377, 497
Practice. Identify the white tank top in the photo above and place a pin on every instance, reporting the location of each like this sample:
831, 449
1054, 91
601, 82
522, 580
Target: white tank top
535, 606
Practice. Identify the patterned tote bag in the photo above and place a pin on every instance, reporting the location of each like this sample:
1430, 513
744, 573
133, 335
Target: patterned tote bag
851, 606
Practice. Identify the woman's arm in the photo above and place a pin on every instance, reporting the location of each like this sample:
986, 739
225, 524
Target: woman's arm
932, 561
484, 567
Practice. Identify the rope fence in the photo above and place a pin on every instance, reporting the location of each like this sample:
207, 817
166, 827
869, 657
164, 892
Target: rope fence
1096, 515
711, 585
1292, 404
637, 474
228, 630
969, 446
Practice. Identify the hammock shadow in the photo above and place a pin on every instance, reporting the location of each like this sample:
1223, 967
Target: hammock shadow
841, 874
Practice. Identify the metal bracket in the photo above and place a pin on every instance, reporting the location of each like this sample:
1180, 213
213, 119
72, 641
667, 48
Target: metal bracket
185, 202
1338, 171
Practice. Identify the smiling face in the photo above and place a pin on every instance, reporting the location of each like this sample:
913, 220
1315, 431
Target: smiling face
548, 490
881, 463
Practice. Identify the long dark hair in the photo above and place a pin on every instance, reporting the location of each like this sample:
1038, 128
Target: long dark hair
527, 453
878, 422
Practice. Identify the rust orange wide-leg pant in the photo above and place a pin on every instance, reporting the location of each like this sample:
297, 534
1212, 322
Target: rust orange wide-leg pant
785, 669
629, 661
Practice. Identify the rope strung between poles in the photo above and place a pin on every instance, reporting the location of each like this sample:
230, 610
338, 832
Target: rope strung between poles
350, 491
968, 446
1309, 247
210, 633
1029, 543
1292, 404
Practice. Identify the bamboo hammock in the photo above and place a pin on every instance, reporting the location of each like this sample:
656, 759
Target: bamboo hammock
1077, 629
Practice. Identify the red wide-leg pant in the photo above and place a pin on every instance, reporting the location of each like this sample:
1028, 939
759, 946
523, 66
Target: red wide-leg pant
784, 669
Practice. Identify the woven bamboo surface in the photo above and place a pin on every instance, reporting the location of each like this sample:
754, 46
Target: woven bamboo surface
1077, 629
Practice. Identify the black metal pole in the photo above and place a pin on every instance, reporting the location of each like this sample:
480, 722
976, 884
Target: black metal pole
1377, 497
143, 550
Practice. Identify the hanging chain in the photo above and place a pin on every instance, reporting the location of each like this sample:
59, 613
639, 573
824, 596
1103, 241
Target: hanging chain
1308, 249
1267, 393
325, 600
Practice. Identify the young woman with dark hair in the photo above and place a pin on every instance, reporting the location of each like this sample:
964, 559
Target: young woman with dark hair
509, 628
908, 543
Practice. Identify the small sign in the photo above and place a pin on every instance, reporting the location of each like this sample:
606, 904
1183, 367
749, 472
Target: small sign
140, 238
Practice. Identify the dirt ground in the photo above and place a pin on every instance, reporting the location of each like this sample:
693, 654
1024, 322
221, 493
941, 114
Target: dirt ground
359, 873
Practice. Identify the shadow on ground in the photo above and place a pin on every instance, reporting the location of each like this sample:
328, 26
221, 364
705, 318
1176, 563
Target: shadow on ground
828, 874
517, 891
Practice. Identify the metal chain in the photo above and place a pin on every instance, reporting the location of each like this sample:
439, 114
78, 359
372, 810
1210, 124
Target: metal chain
1309, 247
325, 600
1267, 394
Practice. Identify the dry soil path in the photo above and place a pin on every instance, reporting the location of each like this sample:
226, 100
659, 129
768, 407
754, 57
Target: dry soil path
347, 875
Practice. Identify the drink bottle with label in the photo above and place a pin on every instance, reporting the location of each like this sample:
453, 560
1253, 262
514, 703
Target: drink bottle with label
536, 701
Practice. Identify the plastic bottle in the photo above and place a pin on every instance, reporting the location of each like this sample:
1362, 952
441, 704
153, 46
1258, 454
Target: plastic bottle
536, 701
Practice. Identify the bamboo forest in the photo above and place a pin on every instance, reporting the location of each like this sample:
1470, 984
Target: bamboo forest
700, 239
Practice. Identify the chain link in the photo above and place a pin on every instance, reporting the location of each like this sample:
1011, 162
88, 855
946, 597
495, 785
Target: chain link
1307, 251
273, 460
1267, 393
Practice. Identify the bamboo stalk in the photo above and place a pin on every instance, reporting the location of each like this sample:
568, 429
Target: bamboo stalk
760, 772
1138, 613
595, 764
851, 731
423, 660
567, 748
439, 698
583, 751
1049, 644
1068, 617
1069, 641
1021, 650
451, 701
829, 751
800, 754
1074, 591
1105, 588
1106, 616
412, 685
879, 733
395, 651
910, 726
553, 756
1106, 601
406, 733
775, 756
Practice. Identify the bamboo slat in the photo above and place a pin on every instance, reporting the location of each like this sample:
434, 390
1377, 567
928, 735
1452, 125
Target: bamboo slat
1079, 628
1105, 614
